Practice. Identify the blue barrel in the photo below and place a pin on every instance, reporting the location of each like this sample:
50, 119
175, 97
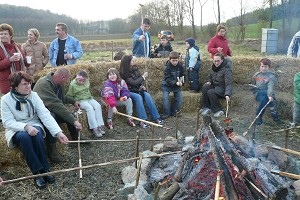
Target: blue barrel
269, 41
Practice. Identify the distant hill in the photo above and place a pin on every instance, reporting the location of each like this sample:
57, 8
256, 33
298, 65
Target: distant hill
22, 18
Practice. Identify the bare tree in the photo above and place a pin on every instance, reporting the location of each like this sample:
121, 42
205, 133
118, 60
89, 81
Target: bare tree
201, 13
219, 12
190, 5
178, 12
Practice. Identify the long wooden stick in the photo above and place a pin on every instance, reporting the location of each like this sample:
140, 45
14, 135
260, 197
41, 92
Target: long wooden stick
256, 188
137, 146
227, 108
78, 145
138, 171
285, 129
245, 133
85, 167
217, 190
141, 120
128, 140
286, 174
297, 153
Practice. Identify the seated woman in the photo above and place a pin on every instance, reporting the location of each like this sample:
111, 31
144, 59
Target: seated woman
218, 86
135, 81
23, 113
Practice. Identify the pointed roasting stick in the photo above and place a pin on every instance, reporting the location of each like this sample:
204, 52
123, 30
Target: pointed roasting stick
245, 133
297, 153
217, 190
85, 167
286, 174
137, 147
227, 108
141, 120
256, 188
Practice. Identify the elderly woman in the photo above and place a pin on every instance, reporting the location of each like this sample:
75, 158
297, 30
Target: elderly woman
218, 86
23, 113
11, 57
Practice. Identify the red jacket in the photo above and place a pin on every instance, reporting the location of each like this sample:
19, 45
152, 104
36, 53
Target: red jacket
5, 66
218, 41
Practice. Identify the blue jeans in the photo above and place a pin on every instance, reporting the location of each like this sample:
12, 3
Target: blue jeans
194, 77
262, 98
168, 110
140, 108
33, 148
296, 113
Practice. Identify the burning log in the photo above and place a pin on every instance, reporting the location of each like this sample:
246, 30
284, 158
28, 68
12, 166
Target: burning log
170, 192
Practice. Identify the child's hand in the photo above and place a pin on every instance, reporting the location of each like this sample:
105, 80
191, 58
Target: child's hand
114, 109
179, 84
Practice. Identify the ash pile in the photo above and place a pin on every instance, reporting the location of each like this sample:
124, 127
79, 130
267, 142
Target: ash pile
212, 165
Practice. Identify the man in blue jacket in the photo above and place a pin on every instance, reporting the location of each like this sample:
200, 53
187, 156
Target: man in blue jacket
141, 40
65, 49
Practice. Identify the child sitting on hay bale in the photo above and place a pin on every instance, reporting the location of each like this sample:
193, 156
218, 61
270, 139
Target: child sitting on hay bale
172, 81
265, 90
79, 89
115, 93
138, 93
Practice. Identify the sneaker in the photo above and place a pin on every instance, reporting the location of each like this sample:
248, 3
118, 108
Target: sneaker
159, 121
97, 133
130, 122
144, 125
219, 113
101, 129
205, 111
165, 116
109, 124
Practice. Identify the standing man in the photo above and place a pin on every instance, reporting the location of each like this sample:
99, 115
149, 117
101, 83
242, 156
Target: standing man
293, 50
50, 88
65, 49
141, 40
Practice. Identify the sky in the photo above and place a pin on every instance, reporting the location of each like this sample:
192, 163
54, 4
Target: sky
94, 10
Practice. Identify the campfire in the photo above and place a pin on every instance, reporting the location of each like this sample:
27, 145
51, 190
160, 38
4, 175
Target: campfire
215, 164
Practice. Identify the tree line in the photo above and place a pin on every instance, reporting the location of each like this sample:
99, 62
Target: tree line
164, 14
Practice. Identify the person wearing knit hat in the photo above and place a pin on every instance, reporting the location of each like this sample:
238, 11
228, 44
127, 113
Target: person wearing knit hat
265, 81
219, 43
192, 64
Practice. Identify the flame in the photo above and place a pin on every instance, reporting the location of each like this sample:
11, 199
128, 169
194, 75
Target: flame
197, 159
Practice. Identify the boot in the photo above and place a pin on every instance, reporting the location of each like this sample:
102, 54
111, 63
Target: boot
53, 154
275, 116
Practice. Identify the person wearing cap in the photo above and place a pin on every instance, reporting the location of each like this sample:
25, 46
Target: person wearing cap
164, 48
172, 81
192, 64
293, 49
219, 43
65, 49
37, 50
141, 40
265, 81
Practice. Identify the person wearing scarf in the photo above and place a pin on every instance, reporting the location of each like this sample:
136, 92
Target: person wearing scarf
218, 86
23, 113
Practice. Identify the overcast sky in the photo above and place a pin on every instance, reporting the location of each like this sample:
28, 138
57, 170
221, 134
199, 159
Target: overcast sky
109, 9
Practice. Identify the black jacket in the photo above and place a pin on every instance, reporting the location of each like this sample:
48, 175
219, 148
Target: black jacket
135, 80
168, 48
222, 79
171, 73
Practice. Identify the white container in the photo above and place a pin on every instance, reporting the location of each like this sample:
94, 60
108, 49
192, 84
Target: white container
28, 59
269, 40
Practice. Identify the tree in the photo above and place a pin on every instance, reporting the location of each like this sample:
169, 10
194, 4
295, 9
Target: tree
201, 8
190, 5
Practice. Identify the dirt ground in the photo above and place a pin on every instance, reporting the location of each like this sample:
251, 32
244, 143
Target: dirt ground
104, 182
